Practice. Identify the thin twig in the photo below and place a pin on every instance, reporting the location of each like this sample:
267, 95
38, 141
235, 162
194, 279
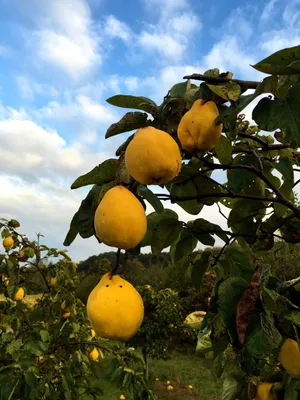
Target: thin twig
265, 145
215, 80
296, 183
124, 263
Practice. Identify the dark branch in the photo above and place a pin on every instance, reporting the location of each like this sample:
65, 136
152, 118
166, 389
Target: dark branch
265, 146
214, 80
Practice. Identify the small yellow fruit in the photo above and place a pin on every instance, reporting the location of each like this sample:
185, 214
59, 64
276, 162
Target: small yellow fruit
8, 242
94, 354
153, 157
157, 379
165, 349
5, 280
264, 393
171, 326
289, 357
122, 397
148, 287
53, 380
93, 333
190, 386
168, 383
40, 360
197, 129
53, 281
170, 387
19, 295
115, 308
120, 219
66, 314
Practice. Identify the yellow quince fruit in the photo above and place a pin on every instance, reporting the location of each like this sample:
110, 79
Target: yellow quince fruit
94, 354
264, 392
153, 156
8, 242
115, 308
20, 294
289, 357
53, 281
120, 219
197, 129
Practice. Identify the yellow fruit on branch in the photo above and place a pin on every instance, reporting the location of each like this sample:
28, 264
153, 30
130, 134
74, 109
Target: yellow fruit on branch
264, 392
153, 156
53, 281
8, 242
170, 388
197, 129
115, 308
93, 333
120, 219
122, 397
66, 315
94, 354
289, 357
20, 294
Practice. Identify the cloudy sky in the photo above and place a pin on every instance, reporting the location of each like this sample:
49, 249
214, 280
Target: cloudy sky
60, 60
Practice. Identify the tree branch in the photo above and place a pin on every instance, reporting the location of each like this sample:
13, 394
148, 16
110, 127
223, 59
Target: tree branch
265, 146
214, 80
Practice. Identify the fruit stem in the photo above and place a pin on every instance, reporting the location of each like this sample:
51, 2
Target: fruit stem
117, 262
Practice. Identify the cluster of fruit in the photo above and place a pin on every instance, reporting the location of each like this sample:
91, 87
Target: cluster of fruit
153, 157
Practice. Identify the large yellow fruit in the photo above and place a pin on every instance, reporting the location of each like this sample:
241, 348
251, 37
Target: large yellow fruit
120, 219
153, 157
20, 294
197, 129
8, 242
263, 392
289, 357
115, 308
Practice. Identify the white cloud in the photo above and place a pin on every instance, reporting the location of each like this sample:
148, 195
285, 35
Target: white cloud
29, 88
81, 108
117, 29
170, 35
66, 37
268, 11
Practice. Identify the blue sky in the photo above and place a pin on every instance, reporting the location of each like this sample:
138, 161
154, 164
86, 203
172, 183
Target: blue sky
60, 60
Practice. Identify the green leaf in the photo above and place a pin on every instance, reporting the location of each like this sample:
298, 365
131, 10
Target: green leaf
14, 346
239, 179
128, 101
36, 348
103, 173
227, 91
185, 245
229, 293
165, 234
284, 83
292, 390
183, 189
204, 344
148, 195
45, 336
200, 265
179, 89
281, 62
85, 287
281, 114
201, 227
231, 388
223, 150
285, 167
124, 145
129, 122
153, 220
73, 231
86, 213
236, 261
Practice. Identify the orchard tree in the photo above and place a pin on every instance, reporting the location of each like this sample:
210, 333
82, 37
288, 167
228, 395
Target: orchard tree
253, 318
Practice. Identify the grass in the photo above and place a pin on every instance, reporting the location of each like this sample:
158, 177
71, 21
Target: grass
182, 368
